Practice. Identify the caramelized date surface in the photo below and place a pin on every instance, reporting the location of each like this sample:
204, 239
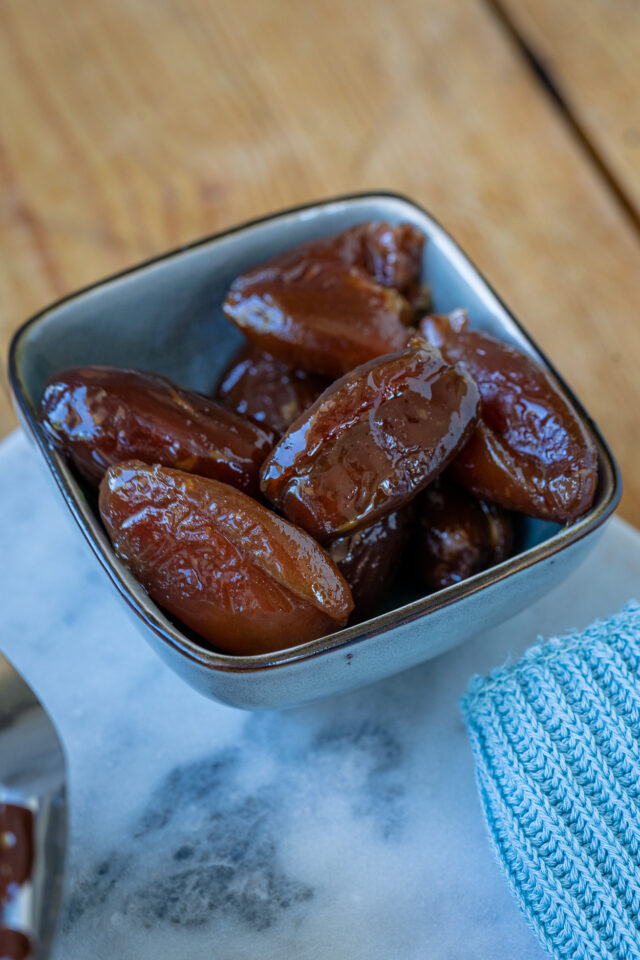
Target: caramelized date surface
244, 579
257, 385
530, 452
332, 304
458, 535
371, 442
103, 415
368, 559
391, 255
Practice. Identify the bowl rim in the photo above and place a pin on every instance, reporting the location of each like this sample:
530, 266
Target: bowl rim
610, 481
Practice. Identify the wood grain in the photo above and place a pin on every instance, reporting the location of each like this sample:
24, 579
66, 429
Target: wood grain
591, 49
129, 127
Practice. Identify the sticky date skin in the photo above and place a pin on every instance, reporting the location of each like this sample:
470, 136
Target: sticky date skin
330, 305
371, 442
369, 558
241, 577
104, 415
530, 451
257, 385
457, 535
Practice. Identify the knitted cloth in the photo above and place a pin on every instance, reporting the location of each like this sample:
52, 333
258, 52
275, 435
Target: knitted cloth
556, 739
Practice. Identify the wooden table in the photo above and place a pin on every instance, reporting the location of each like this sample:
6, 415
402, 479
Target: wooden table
130, 126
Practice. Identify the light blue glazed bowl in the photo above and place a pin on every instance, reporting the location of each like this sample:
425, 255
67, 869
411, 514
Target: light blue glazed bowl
166, 316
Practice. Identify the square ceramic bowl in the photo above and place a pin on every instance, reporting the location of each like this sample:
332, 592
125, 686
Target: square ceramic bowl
166, 316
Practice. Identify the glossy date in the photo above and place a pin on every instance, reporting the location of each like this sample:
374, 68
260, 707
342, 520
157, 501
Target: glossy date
371, 442
243, 578
530, 451
369, 558
457, 535
103, 415
257, 385
330, 305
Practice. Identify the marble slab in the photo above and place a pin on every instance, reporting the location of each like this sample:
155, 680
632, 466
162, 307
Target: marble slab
346, 829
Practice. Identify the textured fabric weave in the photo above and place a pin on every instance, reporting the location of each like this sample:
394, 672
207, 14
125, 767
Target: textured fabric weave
556, 739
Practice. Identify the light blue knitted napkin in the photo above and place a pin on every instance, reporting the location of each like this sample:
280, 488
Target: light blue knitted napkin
556, 739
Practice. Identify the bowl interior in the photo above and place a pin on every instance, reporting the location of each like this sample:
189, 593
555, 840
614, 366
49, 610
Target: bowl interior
166, 316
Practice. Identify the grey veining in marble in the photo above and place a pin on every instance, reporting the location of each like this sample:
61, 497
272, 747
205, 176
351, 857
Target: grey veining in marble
346, 829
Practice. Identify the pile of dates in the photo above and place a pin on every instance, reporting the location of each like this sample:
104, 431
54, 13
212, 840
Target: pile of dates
355, 438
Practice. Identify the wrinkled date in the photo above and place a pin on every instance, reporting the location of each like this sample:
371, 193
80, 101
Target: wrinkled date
530, 451
243, 578
391, 255
458, 535
259, 386
369, 558
371, 442
103, 415
333, 304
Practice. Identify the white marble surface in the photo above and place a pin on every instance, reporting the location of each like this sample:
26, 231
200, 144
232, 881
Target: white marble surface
347, 829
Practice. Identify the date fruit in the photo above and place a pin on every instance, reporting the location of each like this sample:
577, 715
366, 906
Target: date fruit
16, 857
244, 579
369, 558
103, 415
14, 944
530, 451
269, 391
391, 255
458, 535
371, 442
332, 304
